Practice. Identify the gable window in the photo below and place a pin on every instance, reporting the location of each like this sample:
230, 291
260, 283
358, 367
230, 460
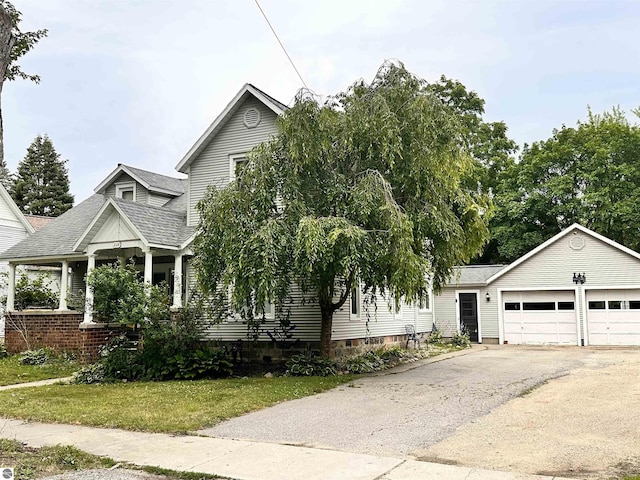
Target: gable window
236, 162
126, 191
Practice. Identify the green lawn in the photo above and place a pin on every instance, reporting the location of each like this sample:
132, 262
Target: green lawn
172, 407
11, 372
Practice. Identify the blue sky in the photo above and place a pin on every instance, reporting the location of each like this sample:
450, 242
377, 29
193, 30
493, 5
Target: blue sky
138, 81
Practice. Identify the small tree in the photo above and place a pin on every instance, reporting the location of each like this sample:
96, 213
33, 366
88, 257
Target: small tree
121, 296
42, 183
364, 190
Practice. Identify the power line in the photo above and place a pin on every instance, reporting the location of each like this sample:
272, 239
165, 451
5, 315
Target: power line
283, 49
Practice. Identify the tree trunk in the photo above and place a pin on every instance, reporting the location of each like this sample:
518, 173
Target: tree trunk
6, 44
325, 330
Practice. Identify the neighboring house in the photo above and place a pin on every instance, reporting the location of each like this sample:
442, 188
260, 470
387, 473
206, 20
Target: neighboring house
577, 288
14, 227
153, 218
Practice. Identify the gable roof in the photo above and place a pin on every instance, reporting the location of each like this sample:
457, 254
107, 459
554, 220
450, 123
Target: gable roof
154, 182
57, 237
473, 274
155, 226
247, 90
554, 239
15, 210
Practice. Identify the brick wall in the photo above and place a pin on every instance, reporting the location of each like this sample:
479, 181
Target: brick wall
59, 331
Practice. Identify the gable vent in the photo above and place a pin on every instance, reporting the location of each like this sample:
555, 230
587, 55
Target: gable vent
251, 118
577, 242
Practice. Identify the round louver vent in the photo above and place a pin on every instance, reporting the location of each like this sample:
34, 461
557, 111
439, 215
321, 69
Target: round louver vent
576, 242
251, 118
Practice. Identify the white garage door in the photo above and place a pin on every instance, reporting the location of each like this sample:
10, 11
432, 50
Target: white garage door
541, 317
613, 317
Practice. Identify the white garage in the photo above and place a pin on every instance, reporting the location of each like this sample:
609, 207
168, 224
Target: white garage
613, 316
540, 317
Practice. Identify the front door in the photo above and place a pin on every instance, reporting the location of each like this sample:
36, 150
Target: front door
469, 315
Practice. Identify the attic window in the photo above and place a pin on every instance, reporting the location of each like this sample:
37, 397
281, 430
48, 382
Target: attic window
251, 118
126, 191
576, 242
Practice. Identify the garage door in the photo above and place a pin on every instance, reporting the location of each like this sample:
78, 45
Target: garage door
541, 317
613, 317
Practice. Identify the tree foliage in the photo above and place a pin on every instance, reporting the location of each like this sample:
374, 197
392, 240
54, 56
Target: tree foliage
121, 296
42, 182
13, 45
365, 189
588, 174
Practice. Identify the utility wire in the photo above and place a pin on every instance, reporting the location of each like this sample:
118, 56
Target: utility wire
283, 49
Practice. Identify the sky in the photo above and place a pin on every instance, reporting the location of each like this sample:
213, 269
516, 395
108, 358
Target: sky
138, 81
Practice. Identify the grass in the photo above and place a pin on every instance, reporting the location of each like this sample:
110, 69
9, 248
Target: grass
11, 372
31, 463
170, 407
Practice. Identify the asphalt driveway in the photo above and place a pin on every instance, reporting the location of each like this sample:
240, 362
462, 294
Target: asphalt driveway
443, 411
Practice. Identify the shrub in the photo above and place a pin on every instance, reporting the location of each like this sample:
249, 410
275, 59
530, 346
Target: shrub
208, 362
93, 373
34, 293
119, 359
3, 350
366, 363
34, 357
460, 340
435, 336
307, 365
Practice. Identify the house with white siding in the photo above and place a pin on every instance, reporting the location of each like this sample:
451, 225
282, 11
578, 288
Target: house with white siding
152, 218
577, 288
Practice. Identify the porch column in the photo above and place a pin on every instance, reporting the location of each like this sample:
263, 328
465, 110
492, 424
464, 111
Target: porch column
11, 288
148, 266
88, 304
64, 285
177, 282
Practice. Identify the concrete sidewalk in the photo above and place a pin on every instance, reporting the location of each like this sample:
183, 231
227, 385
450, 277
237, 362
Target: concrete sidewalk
240, 459
38, 383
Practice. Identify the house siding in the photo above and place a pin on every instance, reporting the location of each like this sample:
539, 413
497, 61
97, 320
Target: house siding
211, 167
142, 194
157, 200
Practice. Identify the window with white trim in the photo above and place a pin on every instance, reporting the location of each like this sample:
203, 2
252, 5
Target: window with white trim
126, 191
397, 309
354, 304
425, 305
236, 162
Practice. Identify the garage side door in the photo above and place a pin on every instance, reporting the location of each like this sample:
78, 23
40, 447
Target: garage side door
540, 317
613, 317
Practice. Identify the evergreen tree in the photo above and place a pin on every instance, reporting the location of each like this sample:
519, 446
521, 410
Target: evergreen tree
42, 183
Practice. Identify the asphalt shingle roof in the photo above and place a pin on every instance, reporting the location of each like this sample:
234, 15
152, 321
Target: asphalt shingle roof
473, 274
60, 234
159, 181
158, 225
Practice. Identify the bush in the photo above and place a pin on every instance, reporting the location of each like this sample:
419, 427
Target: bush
435, 336
3, 350
460, 340
93, 373
366, 363
34, 293
306, 365
208, 362
119, 359
34, 357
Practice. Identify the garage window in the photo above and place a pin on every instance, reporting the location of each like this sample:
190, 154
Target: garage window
513, 306
566, 306
539, 306
596, 305
634, 304
615, 305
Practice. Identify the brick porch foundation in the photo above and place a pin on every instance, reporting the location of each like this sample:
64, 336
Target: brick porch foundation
60, 331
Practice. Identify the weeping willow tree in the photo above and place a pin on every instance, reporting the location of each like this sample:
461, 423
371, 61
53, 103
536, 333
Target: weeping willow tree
364, 189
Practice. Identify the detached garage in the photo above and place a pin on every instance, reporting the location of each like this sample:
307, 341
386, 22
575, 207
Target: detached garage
577, 288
